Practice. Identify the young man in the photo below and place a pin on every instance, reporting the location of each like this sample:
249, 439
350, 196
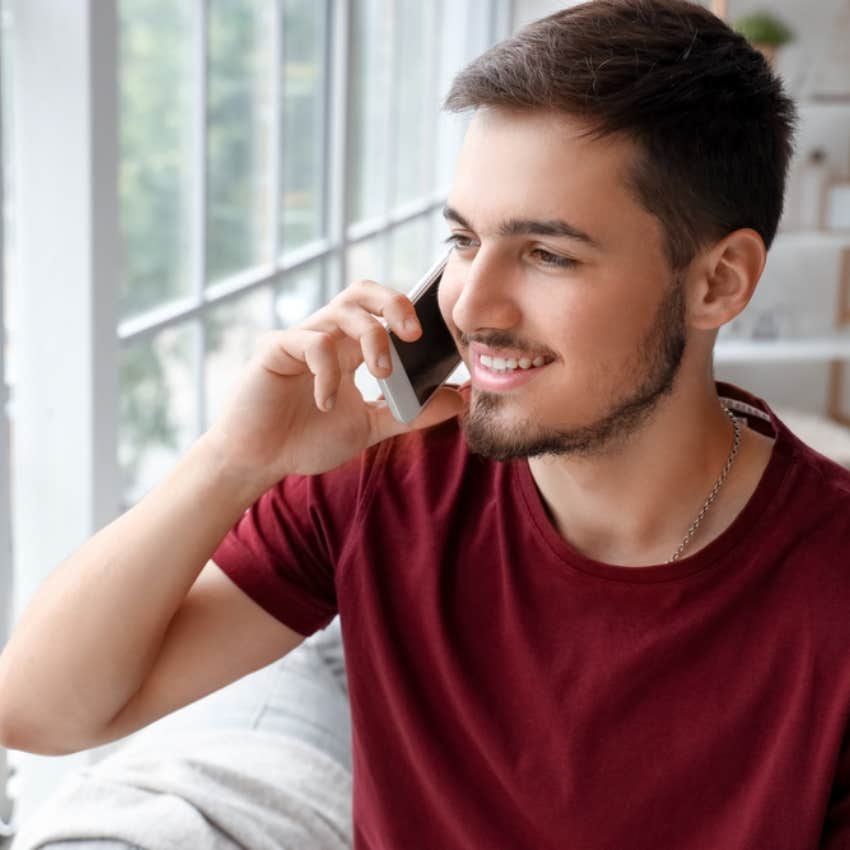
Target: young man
596, 600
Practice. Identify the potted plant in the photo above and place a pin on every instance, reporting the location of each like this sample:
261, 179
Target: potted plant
765, 32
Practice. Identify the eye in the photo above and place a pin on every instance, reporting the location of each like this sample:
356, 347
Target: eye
547, 258
544, 257
459, 241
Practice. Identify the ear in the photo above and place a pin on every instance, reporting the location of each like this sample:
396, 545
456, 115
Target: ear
724, 277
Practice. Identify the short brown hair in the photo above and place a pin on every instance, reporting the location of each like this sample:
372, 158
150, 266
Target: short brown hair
711, 121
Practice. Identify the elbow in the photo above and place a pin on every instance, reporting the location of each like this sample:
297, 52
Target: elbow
8, 739
21, 729
14, 737
26, 735
9, 736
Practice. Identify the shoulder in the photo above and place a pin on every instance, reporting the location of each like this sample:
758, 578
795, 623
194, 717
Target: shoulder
817, 474
397, 466
811, 523
802, 478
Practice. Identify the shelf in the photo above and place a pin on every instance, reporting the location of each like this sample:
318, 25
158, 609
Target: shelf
835, 237
812, 349
825, 100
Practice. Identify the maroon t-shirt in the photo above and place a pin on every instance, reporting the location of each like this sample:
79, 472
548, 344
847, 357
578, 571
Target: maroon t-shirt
508, 692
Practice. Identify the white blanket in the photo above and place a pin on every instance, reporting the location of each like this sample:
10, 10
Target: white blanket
224, 789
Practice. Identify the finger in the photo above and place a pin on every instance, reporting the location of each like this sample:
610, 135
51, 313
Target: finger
394, 307
322, 360
371, 337
296, 351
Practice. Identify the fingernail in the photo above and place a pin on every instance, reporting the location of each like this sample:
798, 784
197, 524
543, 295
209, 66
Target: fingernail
329, 402
383, 361
411, 325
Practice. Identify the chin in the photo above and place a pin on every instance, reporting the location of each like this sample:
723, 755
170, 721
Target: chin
494, 433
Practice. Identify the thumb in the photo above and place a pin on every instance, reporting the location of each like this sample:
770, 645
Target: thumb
444, 404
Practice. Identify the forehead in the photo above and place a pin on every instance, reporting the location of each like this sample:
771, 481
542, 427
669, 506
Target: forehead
544, 165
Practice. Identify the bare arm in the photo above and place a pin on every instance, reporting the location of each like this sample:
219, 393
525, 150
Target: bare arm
91, 635
218, 635
123, 631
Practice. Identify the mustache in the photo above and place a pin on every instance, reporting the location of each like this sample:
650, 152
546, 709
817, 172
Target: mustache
504, 339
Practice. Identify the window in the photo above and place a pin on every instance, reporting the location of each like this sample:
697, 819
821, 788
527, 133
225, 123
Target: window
197, 172
270, 152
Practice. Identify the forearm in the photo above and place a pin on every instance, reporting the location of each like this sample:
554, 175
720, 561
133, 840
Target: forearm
93, 630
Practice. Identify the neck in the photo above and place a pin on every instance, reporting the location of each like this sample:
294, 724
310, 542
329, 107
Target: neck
632, 505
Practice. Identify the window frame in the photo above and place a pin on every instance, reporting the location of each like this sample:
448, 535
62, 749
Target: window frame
6, 577
64, 480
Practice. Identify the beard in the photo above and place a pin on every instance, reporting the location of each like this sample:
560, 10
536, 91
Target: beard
659, 358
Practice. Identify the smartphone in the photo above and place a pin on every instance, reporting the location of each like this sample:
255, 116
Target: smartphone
420, 367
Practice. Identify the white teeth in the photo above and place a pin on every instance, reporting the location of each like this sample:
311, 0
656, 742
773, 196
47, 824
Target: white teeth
501, 364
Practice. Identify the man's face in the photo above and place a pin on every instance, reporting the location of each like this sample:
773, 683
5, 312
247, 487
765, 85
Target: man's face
557, 268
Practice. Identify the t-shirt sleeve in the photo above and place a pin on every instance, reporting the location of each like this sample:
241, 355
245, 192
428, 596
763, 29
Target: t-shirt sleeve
284, 549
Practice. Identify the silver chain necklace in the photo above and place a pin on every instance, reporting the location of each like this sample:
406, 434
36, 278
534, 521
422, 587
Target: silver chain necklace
736, 444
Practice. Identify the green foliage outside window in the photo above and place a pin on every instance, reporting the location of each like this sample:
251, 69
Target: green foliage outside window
158, 162
154, 138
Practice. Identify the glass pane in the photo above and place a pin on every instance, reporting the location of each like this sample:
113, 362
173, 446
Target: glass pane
417, 115
409, 258
238, 155
439, 233
371, 64
365, 259
232, 331
479, 16
450, 133
155, 165
298, 294
303, 160
453, 55
158, 408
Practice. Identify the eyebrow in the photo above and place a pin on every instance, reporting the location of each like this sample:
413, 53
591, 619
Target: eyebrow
528, 226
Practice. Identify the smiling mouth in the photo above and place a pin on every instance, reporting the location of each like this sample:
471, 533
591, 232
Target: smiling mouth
502, 365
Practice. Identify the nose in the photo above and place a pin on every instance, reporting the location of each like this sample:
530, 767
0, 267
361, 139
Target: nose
484, 294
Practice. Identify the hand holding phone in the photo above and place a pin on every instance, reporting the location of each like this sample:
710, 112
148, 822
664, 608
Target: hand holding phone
297, 409
422, 366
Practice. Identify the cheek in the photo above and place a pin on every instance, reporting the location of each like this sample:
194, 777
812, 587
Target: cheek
601, 324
